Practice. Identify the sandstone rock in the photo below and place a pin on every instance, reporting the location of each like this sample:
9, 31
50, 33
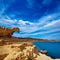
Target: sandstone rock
7, 31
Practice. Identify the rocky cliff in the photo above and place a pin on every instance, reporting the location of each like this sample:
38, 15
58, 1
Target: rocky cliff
21, 51
12, 48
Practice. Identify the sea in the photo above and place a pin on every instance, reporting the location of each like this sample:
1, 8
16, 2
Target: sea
53, 48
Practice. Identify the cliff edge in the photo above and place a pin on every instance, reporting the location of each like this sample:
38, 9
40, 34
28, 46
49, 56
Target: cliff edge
21, 51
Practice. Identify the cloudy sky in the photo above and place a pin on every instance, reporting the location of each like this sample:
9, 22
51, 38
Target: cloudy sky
35, 18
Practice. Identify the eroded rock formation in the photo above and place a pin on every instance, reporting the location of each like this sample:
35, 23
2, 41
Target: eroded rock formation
7, 31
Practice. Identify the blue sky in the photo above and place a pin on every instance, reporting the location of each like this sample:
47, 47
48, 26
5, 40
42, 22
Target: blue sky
35, 18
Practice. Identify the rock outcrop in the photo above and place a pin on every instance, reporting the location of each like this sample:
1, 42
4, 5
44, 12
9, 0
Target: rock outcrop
7, 31
43, 51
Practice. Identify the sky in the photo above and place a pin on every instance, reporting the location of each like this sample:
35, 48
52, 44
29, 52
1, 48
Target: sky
35, 18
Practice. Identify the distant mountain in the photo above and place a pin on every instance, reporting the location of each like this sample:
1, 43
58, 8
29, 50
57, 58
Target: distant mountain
15, 39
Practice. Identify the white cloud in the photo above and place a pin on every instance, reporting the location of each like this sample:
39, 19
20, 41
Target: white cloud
30, 28
45, 32
50, 27
25, 22
53, 23
7, 22
21, 22
33, 28
11, 21
7, 19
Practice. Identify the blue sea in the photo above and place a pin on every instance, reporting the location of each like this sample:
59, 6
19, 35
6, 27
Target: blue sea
53, 48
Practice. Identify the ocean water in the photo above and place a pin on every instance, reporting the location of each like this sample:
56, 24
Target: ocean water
53, 48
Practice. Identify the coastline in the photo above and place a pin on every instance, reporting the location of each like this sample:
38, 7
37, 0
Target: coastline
14, 43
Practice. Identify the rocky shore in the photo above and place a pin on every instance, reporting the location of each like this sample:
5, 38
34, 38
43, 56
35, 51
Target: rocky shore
14, 49
20, 51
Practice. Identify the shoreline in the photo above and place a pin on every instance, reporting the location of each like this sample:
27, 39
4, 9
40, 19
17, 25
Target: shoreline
13, 51
13, 44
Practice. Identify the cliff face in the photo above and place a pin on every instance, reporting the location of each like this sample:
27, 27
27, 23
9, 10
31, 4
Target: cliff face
21, 51
16, 49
